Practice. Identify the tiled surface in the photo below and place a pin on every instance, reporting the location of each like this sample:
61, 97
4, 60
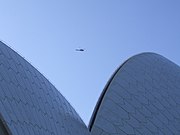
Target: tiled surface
30, 104
142, 99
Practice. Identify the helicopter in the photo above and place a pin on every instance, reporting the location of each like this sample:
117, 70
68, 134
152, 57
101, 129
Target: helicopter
80, 49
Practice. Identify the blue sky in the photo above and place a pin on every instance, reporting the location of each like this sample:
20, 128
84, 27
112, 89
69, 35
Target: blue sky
47, 32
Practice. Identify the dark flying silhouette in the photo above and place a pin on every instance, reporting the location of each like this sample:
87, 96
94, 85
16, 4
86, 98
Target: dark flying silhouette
80, 50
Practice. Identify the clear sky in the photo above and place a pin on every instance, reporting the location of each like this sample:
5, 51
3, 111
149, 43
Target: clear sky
47, 32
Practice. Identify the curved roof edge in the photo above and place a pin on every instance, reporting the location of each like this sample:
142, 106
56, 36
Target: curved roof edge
5, 126
54, 88
93, 117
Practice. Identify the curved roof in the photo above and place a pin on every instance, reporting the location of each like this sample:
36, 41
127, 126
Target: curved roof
142, 97
30, 104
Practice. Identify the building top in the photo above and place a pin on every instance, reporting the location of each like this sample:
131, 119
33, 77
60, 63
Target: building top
141, 97
30, 104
